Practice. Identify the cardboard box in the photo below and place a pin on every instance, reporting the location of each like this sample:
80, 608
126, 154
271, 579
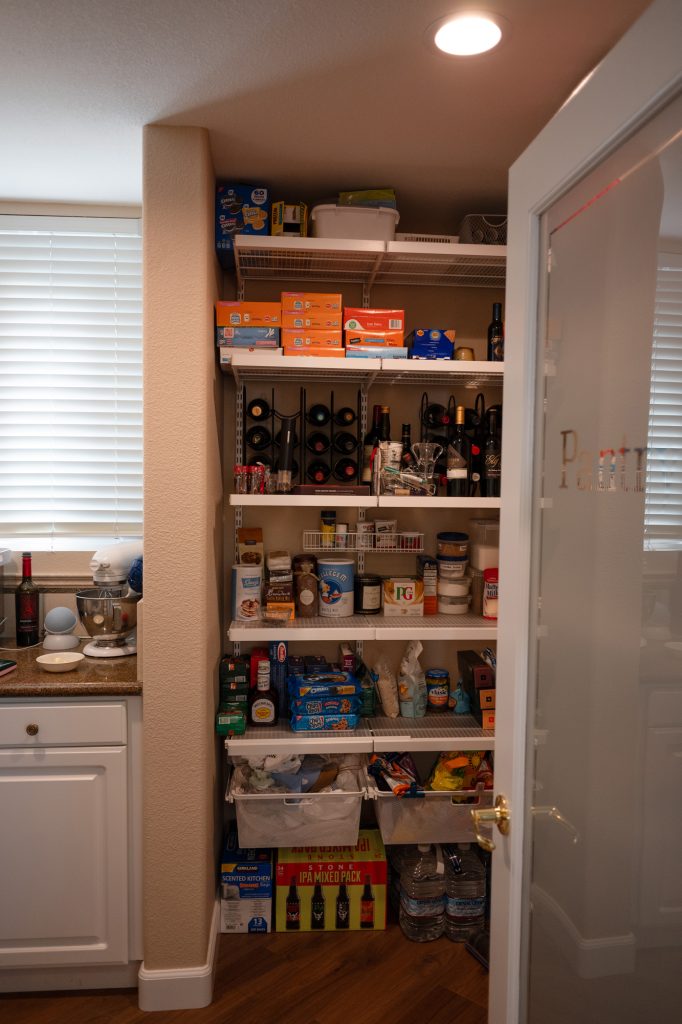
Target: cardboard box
247, 337
375, 339
427, 567
475, 672
246, 880
289, 219
312, 302
432, 343
303, 321
239, 210
248, 314
231, 719
316, 350
355, 318
487, 719
311, 339
332, 888
486, 700
403, 595
372, 352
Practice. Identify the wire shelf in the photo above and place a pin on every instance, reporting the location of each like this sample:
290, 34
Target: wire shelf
382, 543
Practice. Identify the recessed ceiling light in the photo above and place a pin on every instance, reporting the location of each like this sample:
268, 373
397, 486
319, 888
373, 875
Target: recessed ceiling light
467, 33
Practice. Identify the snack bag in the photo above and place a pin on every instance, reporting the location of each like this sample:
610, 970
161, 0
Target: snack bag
460, 770
412, 682
387, 687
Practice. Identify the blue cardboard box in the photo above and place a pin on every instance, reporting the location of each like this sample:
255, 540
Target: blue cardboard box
247, 337
239, 210
246, 881
432, 343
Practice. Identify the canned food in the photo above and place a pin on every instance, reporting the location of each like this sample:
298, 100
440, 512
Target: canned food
336, 586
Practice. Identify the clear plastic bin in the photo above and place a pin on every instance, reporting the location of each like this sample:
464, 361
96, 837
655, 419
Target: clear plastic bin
433, 818
288, 819
365, 222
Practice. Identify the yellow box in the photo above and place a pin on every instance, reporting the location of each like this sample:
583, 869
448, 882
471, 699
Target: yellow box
312, 302
289, 219
316, 350
306, 321
486, 699
248, 314
311, 339
488, 719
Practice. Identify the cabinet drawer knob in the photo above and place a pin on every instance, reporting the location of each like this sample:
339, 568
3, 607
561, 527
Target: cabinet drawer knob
32, 729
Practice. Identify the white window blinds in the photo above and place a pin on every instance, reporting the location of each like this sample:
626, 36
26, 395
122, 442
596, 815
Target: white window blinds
70, 379
663, 507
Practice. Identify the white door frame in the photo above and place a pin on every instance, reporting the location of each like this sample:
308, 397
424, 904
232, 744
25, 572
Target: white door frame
637, 78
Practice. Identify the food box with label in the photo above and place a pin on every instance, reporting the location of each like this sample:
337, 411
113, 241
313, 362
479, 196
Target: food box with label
403, 596
355, 318
315, 350
311, 321
312, 302
248, 314
247, 337
311, 339
374, 339
432, 343
289, 219
239, 210
332, 888
246, 883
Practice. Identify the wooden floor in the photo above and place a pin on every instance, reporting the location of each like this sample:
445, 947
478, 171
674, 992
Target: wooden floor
354, 978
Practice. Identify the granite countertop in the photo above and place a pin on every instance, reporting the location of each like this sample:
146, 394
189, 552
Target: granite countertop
94, 677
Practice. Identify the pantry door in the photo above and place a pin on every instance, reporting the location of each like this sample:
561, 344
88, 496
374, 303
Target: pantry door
586, 887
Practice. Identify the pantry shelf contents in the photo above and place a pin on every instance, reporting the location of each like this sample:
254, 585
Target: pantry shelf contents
360, 501
361, 627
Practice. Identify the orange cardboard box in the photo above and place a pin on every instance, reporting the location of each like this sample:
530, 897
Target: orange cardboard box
486, 699
248, 314
305, 321
315, 350
356, 318
312, 339
376, 339
312, 302
488, 721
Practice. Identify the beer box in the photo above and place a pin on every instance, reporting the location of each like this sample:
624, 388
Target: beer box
246, 884
248, 314
239, 210
322, 303
332, 888
247, 337
403, 596
355, 318
375, 339
306, 321
311, 339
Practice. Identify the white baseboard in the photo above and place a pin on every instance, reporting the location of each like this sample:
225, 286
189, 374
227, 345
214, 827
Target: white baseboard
589, 958
61, 979
187, 988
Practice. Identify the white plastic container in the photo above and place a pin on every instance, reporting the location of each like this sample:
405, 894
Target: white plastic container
484, 556
453, 605
435, 818
330, 221
454, 588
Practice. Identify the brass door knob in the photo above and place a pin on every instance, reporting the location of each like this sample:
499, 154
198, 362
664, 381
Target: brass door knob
32, 729
498, 815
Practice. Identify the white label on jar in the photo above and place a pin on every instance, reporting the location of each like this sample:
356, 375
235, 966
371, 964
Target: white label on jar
306, 597
371, 597
456, 474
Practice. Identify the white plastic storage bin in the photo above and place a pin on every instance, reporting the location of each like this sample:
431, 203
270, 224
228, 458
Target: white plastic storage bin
376, 223
433, 818
286, 819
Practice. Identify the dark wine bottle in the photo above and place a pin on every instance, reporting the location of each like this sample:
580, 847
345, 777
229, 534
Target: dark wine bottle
345, 417
385, 424
345, 442
457, 465
370, 441
318, 415
260, 460
258, 409
317, 442
435, 417
346, 470
26, 601
318, 472
496, 335
406, 456
258, 438
492, 459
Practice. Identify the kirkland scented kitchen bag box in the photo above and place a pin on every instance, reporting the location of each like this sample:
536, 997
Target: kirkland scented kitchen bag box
245, 888
332, 888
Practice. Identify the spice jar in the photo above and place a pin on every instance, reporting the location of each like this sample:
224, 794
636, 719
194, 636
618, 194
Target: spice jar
305, 586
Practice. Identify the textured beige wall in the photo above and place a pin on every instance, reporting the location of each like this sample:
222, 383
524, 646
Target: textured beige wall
182, 547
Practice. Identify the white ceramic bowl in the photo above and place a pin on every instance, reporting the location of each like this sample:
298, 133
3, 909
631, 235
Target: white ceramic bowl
60, 661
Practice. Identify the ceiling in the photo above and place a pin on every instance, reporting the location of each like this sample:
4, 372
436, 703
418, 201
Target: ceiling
309, 96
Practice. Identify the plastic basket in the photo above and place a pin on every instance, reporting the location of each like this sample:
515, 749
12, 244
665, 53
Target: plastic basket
433, 818
358, 222
285, 819
483, 229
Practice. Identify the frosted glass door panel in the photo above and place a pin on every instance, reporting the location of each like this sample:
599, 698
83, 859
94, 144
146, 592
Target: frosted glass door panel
605, 942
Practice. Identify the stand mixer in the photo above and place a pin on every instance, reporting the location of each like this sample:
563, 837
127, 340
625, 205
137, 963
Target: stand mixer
108, 610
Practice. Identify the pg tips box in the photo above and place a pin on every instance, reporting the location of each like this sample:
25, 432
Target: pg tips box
332, 888
245, 888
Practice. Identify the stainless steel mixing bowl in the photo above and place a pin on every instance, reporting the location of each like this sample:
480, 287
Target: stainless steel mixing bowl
110, 619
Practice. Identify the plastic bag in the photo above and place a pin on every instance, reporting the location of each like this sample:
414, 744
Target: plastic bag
387, 687
412, 682
460, 769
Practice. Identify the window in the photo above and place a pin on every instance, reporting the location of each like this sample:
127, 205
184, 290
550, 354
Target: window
70, 381
663, 509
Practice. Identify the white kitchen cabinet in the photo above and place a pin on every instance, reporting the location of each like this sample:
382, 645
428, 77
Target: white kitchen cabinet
68, 853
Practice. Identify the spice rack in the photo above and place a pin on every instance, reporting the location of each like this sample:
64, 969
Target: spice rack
382, 544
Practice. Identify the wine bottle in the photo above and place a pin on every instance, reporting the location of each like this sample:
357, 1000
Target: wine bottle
258, 438
318, 415
26, 599
278, 438
370, 441
258, 409
496, 335
345, 417
457, 465
435, 417
492, 458
317, 442
346, 470
318, 472
260, 460
345, 442
406, 456
385, 425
